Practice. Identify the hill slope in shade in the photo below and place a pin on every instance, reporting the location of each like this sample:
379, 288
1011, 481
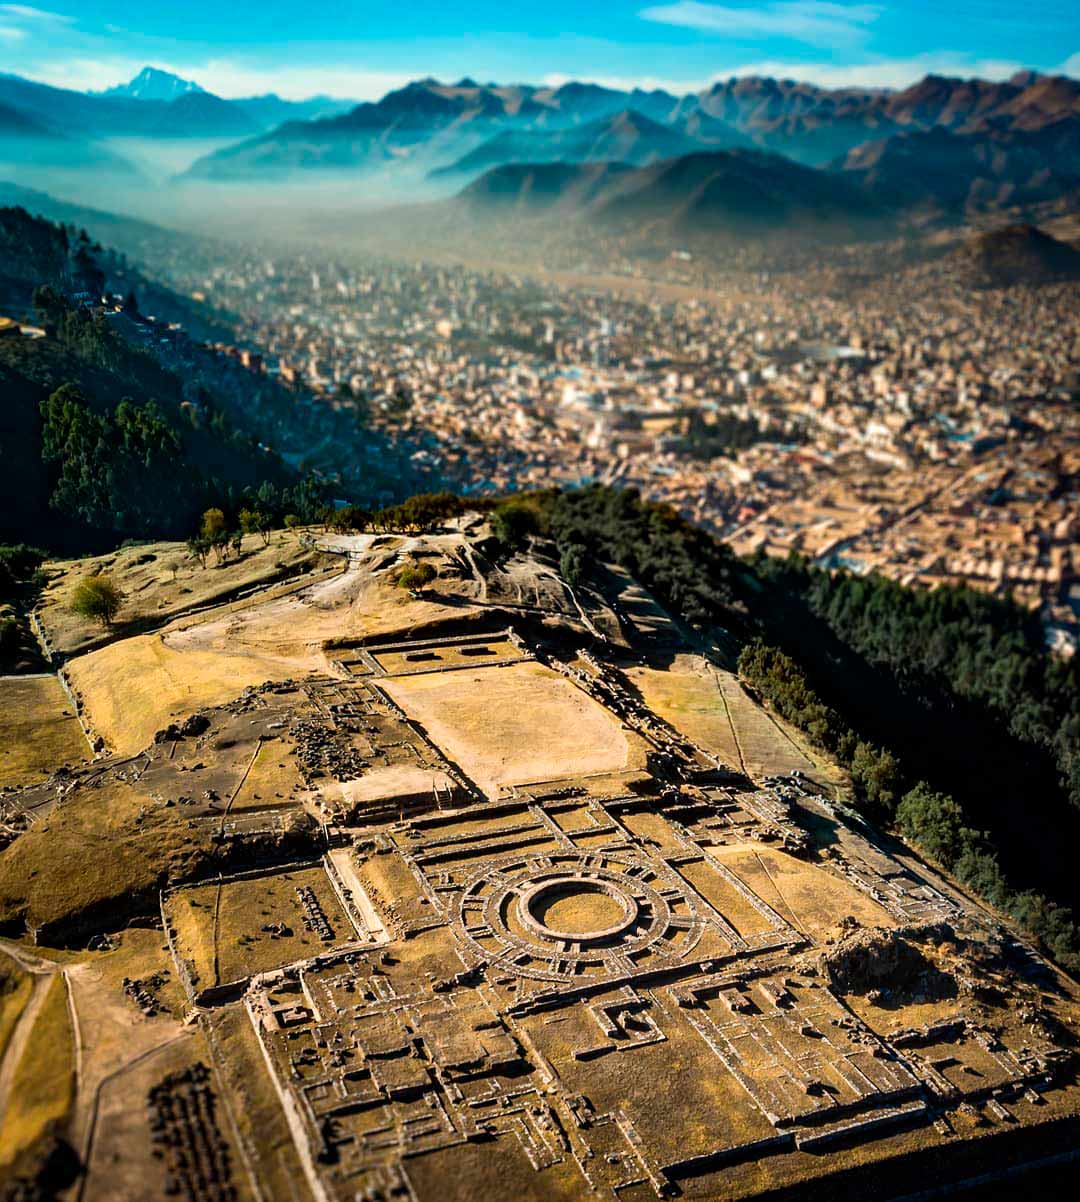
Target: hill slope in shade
732, 190
198, 114
1017, 254
958, 170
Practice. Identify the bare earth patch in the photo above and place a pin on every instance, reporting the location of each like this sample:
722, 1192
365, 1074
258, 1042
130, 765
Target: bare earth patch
512, 725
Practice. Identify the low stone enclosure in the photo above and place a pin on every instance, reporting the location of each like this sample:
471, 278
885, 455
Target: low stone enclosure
439, 654
574, 989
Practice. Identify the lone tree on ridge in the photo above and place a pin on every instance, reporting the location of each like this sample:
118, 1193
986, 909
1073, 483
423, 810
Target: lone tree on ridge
97, 597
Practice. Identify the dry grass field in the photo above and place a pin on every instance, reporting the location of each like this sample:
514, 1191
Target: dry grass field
452, 655
810, 898
159, 581
135, 687
271, 780
16, 986
512, 725
38, 730
219, 927
105, 853
43, 1084
769, 748
708, 705
687, 696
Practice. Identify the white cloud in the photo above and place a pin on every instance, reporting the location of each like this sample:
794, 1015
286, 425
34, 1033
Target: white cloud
34, 16
817, 22
874, 73
880, 73
19, 21
225, 77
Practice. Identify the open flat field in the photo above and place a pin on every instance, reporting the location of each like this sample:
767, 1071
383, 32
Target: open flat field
810, 898
136, 685
38, 730
451, 655
160, 580
219, 928
512, 725
768, 748
687, 696
708, 705
270, 781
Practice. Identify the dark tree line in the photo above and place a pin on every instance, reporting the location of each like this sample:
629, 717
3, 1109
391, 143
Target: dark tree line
689, 571
129, 471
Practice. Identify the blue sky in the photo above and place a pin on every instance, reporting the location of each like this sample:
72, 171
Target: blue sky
362, 48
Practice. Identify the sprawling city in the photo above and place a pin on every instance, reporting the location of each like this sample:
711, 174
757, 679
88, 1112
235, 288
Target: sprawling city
539, 602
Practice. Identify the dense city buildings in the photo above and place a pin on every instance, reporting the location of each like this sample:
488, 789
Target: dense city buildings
912, 426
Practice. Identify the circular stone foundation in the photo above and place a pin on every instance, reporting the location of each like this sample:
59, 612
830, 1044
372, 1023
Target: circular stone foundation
571, 915
575, 909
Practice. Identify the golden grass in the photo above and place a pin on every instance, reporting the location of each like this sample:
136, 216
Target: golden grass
91, 852
38, 730
135, 687
726, 898
270, 781
707, 704
810, 898
16, 987
687, 696
513, 725
43, 1088
449, 656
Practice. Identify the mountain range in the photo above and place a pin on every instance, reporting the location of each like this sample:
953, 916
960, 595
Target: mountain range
627, 136
941, 149
155, 104
447, 125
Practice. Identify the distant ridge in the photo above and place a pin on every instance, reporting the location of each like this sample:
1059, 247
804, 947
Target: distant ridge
173, 108
447, 125
957, 170
626, 136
